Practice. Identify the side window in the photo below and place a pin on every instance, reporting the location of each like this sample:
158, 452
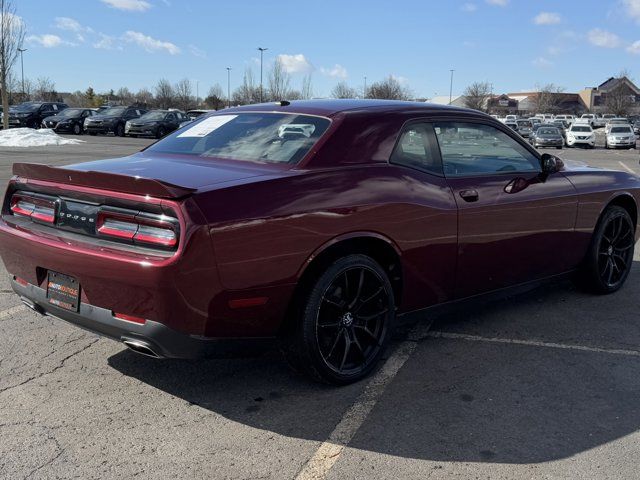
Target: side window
476, 149
415, 149
171, 117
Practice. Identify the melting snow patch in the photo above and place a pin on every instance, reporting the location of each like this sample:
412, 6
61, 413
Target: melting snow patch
28, 137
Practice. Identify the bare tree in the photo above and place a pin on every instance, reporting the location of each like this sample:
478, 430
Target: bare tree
307, 87
342, 90
215, 98
549, 98
143, 98
390, 89
165, 95
45, 90
184, 94
279, 82
620, 101
125, 96
248, 92
11, 38
477, 96
77, 99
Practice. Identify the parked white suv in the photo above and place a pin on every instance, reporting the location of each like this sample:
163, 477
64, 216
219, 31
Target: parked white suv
581, 134
593, 120
620, 136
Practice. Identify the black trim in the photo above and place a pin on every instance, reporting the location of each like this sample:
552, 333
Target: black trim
164, 341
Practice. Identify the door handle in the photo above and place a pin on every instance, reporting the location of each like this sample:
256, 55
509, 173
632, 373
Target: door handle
469, 195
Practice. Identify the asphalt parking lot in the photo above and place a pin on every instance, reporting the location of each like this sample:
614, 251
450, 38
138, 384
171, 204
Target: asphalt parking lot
543, 384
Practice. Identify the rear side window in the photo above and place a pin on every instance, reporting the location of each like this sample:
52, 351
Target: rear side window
416, 149
470, 149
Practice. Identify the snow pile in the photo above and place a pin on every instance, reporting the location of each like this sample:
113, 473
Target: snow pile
28, 137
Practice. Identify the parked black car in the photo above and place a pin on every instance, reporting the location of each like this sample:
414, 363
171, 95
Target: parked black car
156, 123
70, 120
112, 120
547, 137
31, 114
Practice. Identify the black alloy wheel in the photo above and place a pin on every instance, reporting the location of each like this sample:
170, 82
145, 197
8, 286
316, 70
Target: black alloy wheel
160, 132
76, 129
346, 322
120, 130
611, 252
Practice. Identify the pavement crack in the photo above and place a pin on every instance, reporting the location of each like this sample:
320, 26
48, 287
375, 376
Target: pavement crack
60, 365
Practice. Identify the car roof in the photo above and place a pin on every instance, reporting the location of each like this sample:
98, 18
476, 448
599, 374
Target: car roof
331, 107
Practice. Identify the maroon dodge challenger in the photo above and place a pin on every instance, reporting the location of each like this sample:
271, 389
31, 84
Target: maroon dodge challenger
315, 222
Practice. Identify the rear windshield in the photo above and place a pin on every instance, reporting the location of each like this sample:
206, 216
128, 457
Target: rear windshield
252, 137
577, 128
524, 123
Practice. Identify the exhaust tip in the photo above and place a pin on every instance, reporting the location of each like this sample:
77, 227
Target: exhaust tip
141, 347
29, 304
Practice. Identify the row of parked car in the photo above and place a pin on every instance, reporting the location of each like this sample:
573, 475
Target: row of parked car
566, 130
120, 120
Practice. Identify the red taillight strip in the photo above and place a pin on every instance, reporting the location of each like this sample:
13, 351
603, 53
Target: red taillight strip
34, 207
141, 228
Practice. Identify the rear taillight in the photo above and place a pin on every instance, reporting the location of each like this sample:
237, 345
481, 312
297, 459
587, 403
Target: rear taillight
35, 207
158, 230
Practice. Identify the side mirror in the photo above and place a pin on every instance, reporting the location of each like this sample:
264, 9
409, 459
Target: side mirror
550, 164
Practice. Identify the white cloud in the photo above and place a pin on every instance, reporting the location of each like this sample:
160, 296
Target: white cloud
634, 48
400, 79
498, 3
541, 62
547, 18
197, 52
604, 39
106, 42
632, 8
295, 63
70, 25
48, 40
337, 71
128, 5
150, 44
469, 7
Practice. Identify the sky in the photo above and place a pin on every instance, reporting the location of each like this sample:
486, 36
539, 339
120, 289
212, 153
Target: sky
513, 44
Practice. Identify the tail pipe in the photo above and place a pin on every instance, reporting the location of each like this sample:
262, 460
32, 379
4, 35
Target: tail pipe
140, 346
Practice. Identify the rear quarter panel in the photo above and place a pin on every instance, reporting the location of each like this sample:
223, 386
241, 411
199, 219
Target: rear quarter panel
265, 232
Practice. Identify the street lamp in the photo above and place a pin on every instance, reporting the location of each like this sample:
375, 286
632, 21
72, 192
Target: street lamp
228, 87
21, 50
451, 87
262, 50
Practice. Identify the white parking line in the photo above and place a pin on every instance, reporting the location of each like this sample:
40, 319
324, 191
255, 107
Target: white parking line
626, 168
532, 343
329, 452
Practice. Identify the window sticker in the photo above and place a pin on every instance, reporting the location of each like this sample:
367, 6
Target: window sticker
206, 126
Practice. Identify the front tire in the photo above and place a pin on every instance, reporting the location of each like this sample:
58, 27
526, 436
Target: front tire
610, 254
77, 130
345, 322
119, 130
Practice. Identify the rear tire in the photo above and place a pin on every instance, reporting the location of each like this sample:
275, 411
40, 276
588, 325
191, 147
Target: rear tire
345, 322
610, 253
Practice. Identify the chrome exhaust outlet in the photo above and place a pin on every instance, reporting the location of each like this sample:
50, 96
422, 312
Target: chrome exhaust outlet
29, 304
141, 347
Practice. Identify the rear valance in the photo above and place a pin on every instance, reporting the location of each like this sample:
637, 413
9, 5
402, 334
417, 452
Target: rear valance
101, 180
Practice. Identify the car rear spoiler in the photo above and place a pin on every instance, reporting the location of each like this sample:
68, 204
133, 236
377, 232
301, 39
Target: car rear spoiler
101, 180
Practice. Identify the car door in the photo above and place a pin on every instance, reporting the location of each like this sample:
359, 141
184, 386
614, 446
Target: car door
515, 224
171, 122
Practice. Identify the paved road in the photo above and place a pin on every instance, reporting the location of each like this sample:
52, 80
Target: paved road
542, 384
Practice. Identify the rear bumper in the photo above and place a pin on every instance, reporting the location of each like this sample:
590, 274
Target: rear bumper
163, 341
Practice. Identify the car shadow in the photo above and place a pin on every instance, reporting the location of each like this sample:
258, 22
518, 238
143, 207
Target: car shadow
467, 400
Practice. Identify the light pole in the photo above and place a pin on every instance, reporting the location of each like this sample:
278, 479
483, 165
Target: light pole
22, 50
228, 87
197, 93
451, 87
365, 86
262, 50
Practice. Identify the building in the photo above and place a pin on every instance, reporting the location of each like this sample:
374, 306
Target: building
595, 98
530, 103
502, 105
